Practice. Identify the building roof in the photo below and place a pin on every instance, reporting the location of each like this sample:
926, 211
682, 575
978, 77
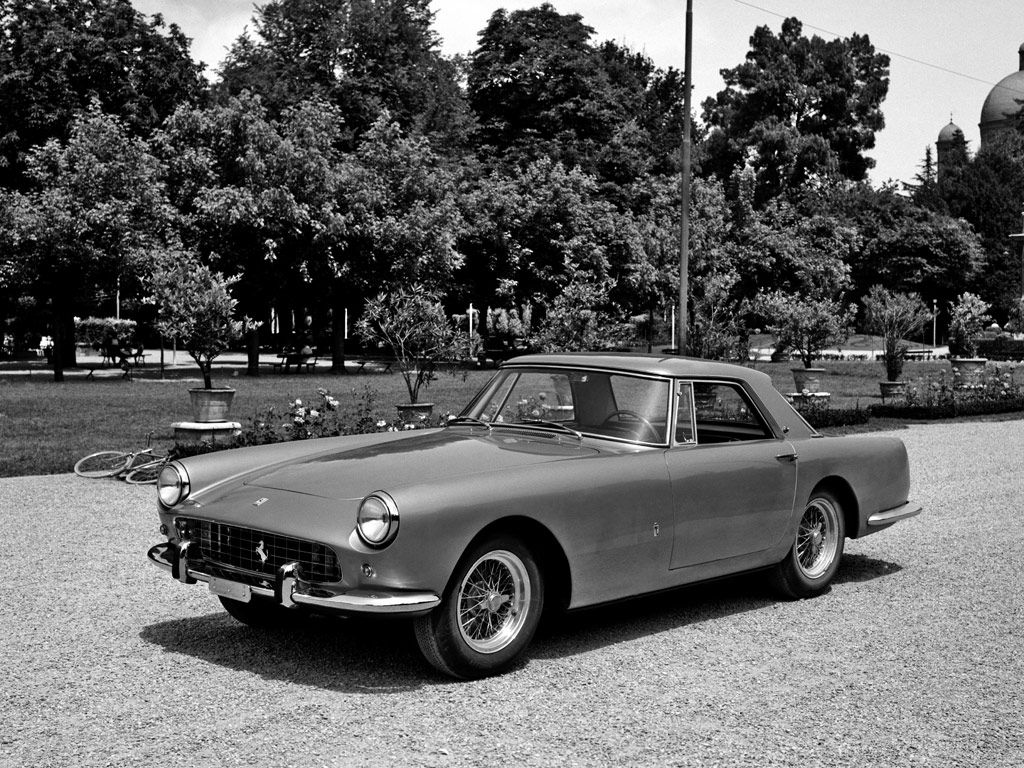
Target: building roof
1005, 99
950, 132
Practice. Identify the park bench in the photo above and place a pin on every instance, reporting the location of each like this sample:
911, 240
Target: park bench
285, 360
376, 362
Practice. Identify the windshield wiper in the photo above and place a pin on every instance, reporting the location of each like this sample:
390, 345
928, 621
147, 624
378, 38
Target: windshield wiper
550, 425
469, 420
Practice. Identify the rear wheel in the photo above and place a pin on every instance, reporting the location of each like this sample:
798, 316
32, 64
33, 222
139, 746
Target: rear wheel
259, 613
102, 464
488, 613
812, 562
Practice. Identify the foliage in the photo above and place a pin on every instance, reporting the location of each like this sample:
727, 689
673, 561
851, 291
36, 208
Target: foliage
539, 88
968, 317
411, 323
717, 329
194, 305
509, 324
103, 332
986, 190
820, 416
797, 108
580, 319
1002, 347
894, 316
938, 397
95, 209
804, 323
362, 56
57, 58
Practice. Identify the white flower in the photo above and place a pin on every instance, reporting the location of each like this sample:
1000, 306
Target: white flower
382, 423
331, 402
298, 419
313, 413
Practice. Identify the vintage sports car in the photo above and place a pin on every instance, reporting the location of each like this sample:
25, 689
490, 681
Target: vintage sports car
570, 480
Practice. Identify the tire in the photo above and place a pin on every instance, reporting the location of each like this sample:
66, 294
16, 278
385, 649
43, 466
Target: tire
813, 560
145, 473
260, 613
488, 614
102, 464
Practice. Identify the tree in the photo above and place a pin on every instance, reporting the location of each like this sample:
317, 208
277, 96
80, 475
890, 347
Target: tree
411, 322
967, 319
96, 209
260, 198
796, 108
582, 319
539, 88
58, 57
194, 306
894, 316
804, 323
365, 57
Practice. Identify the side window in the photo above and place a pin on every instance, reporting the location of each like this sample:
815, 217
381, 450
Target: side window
684, 414
725, 414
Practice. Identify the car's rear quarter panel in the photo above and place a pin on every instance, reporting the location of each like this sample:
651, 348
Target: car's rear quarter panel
875, 468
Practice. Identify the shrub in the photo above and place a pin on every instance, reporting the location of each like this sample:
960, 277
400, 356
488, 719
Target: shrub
102, 332
820, 416
894, 316
805, 324
967, 320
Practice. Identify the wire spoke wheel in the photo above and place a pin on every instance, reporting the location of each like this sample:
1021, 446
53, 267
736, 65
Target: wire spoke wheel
817, 539
493, 601
145, 473
102, 464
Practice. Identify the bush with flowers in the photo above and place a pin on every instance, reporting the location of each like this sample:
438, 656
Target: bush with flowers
321, 416
940, 397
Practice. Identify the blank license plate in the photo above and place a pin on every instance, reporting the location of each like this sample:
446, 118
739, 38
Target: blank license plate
232, 589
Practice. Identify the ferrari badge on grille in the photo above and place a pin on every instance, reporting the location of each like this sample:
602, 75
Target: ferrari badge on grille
262, 552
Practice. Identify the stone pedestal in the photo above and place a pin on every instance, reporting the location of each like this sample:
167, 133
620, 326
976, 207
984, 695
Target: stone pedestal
205, 431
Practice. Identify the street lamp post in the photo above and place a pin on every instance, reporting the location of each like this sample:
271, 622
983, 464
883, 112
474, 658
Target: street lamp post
684, 188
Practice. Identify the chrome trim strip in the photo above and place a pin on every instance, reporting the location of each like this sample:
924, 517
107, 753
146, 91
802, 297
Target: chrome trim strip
902, 512
287, 591
363, 601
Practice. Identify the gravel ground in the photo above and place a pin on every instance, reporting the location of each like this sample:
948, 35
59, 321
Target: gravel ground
913, 658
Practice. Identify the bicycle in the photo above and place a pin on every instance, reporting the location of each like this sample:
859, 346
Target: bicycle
135, 467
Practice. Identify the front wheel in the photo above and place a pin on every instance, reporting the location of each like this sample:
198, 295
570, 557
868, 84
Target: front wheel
102, 464
813, 560
488, 614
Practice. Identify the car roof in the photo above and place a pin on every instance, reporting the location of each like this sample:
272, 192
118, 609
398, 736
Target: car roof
652, 364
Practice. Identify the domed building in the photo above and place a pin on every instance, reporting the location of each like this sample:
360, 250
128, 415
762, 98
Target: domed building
1004, 103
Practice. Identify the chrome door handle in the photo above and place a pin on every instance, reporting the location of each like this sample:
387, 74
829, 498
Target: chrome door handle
787, 456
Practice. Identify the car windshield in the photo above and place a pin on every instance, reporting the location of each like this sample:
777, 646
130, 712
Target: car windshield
612, 405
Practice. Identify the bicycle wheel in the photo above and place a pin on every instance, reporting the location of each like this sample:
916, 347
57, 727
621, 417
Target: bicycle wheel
102, 464
145, 473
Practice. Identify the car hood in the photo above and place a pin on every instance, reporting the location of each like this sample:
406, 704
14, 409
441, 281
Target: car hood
352, 473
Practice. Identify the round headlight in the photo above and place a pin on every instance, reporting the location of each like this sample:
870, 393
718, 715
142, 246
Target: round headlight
377, 521
172, 485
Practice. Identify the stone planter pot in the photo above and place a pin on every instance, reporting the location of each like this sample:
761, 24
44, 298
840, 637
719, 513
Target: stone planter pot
808, 379
893, 390
968, 372
414, 413
211, 405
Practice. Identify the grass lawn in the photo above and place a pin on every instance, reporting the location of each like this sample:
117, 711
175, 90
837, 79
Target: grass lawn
45, 426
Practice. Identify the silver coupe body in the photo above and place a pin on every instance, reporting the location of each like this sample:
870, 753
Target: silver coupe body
570, 480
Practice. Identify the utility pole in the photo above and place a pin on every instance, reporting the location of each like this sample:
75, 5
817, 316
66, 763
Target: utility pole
684, 188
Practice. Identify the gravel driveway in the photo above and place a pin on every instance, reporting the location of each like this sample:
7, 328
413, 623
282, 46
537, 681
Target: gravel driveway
913, 658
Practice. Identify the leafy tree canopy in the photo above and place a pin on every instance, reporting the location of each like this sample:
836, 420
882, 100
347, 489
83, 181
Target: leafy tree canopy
797, 107
56, 57
363, 56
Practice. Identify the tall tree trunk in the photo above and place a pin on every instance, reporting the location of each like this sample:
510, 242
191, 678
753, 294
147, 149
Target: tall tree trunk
57, 329
252, 346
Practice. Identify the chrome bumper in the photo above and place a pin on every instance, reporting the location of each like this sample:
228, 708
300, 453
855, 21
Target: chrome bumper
889, 516
290, 592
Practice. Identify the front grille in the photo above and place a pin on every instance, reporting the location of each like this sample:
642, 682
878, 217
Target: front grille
261, 552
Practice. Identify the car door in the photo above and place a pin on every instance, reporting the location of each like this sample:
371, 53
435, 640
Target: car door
733, 481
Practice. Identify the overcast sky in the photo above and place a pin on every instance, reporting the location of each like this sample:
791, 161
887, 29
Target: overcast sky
946, 55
